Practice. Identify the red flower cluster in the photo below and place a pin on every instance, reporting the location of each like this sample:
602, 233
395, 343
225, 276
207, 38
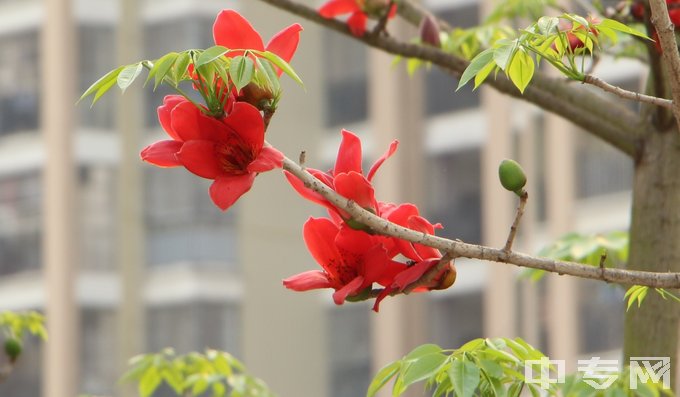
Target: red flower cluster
574, 41
351, 256
227, 148
359, 10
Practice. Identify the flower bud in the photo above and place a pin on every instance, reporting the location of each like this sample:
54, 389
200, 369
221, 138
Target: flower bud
429, 31
512, 176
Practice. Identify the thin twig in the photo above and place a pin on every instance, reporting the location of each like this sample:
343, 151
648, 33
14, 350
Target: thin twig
473, 251
634, 96
603, 258
515, 224
382, 22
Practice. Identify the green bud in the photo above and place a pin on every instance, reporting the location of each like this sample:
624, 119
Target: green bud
12, 348
512, 176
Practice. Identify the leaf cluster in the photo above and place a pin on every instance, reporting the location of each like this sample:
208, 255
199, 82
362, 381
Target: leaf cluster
481, 367
575, 386
18, 324
213, 373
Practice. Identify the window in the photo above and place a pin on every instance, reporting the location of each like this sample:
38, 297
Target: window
20, 222
19, 82
350, 350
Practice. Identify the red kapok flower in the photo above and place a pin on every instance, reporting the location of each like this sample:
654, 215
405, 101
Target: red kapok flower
229, 150
359, 11
233, 31
351, 260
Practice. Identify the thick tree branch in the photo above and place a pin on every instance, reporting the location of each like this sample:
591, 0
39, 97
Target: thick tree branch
611, 122
460, 249
625, 94
670, 56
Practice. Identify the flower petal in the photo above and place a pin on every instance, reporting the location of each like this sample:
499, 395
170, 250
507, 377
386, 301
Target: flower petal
191, 124
246, 121
309, 194
355, 187
169, 103
390, 151
313, 279
319, 235
162, 153
338, 7
349, 154
285, 43
228, 188
233, 31
199, 157
357, 23
268, 159
350, 288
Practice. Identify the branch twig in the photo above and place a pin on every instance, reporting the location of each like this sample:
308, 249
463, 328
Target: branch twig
625, 94
382, 22
515, 224
671, 58
461, 249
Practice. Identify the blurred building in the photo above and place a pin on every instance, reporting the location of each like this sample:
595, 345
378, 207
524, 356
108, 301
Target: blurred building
212, 279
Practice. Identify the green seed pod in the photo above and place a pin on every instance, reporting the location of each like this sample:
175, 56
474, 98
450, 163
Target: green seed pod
512, 176
12, 348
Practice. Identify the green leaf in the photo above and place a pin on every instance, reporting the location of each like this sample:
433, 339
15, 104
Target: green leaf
241, 71
422, 350
618, 26
383, 376
210, 55
504, 53
484, 73
547, 25
149, 382
464, 375
180, 67
476, 65
128, 75
161, 68
521, 70
104, 81
412, 65
281, 64
423, 367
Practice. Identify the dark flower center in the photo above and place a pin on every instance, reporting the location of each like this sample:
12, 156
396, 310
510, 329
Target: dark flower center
234, 156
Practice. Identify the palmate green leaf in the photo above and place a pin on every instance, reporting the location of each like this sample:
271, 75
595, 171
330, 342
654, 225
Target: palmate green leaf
422, 350
423, 367
180, 67
618, 26
464, 375
161, 67
383, 376
476, 65
128, 75
99, 87
521, 69
210, 55
266, 76
241, 71
149, 382
281, 64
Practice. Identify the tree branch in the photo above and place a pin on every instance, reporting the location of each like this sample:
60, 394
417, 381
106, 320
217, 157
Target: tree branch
634, 96
671, 58
611, 122
456, 249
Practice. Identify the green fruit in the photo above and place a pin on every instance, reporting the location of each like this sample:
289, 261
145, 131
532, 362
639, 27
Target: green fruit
512, 176
12, 348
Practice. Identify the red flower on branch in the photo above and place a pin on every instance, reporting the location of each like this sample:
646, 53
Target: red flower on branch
359, 10
351, 260
229, 150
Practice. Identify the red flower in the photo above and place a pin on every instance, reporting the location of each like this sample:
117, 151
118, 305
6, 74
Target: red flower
229, 150
346, 178
351, 260
359, 11
233, 31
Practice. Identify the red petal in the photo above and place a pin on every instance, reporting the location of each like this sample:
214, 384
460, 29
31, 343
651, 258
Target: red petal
246, 121
309, 194
162, 153
390, 151
384, 294
350, 288
228, 188
413, 273
191, 124
233, 31
338, 7
400, 216
285, 43
319, 235
169, 103
353, 244
357, 23
313, 279
268, 159
355, 187
199, 157
349, 154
